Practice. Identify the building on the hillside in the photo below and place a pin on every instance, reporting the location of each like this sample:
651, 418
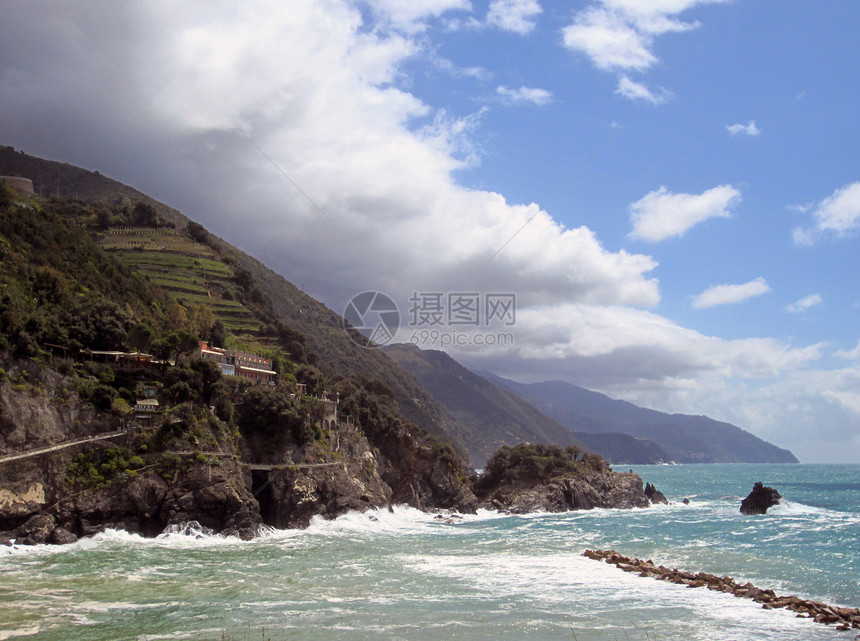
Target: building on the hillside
146, 405
329, 416
147, 412
234, 362
121, 359
19, 184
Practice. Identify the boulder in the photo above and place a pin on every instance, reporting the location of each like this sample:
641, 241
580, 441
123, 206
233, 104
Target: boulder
760, 499
37, 529
61, 536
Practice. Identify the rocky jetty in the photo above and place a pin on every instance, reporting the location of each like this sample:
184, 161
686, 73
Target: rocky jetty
760, 499
532, 478
842, 618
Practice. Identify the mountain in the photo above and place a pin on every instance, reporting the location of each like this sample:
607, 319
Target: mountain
494, 417
308, 328
113, 415
686, 438
491, 416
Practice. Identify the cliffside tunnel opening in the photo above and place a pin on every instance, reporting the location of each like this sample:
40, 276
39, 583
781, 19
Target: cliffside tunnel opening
261, 488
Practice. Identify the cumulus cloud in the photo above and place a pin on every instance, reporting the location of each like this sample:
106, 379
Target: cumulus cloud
728, 294
517, 16
838, 214
610, 39
637, 91
805, 303
618, 36
748, 129
661, 214
524, 95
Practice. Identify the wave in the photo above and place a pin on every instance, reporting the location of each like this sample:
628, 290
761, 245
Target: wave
396, 520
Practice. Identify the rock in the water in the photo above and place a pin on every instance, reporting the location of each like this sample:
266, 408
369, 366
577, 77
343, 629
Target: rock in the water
760, 499
61, 536
530, 478
654, 495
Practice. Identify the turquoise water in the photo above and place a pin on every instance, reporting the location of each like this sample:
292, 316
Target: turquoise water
405, 575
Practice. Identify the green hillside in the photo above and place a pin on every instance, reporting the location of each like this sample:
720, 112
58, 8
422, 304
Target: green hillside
304, 328
192, 273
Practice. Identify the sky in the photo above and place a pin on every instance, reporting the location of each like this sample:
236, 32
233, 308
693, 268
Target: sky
666, 191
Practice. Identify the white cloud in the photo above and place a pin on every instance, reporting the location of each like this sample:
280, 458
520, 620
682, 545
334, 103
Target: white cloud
805, 303
637, 91
661, 214
609, 39
411, 16
728, 294
619, 34
524, 95
748, 129
840, 213
852, 354
517, 16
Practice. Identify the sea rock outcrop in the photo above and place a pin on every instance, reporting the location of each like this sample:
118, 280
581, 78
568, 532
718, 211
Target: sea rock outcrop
529, 478
654, 495
760, 499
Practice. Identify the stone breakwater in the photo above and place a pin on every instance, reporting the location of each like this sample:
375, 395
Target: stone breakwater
843, 618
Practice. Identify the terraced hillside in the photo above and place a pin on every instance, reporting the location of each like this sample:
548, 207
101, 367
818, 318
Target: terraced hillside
192, 273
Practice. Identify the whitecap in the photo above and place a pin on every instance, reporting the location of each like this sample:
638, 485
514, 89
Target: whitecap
19, 632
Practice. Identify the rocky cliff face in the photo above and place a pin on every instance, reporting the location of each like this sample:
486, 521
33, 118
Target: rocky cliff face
39, 407
56, 486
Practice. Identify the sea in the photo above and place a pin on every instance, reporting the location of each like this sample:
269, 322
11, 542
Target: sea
405, 574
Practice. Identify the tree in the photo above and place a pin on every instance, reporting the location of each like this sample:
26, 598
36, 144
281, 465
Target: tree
104, 217
177, 318
197, 232
145, 215
201, 321
218, 334
272, 412
140, 337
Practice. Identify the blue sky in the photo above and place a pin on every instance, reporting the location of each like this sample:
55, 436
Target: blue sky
704, 261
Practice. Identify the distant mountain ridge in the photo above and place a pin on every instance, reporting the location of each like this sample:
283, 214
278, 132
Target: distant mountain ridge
686, 438
491, 416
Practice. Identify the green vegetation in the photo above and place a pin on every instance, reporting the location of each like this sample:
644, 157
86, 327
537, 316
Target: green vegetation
535, 461
98, 468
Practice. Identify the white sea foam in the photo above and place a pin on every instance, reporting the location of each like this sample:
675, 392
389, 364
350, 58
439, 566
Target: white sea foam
20, 632
786, 507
